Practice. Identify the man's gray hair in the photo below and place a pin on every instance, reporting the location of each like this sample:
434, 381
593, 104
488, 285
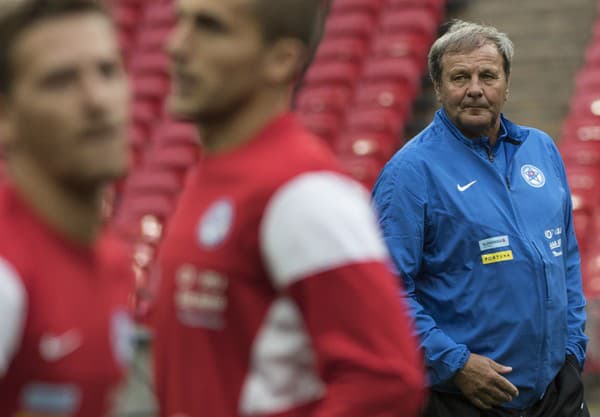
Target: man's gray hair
465, 37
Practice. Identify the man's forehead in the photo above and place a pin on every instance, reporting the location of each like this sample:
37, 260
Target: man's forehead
68, 38
217, 6
486, 54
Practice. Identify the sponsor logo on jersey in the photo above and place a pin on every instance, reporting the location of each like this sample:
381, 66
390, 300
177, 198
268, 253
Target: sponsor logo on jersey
493, 243
200, 297
555, 244
54, 347
550, 233
492, 258
46, 399
533, 176
215, 223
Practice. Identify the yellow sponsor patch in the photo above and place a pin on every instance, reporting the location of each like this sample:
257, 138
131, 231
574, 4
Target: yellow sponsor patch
492, 258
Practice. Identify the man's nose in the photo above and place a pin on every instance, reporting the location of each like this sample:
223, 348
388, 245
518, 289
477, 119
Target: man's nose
474, 89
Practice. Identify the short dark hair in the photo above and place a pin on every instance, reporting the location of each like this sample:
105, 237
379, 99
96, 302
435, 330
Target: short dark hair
298, 19
18, 15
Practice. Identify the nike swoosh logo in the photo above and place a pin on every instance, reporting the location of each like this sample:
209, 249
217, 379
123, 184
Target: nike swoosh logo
56, 347
463, 188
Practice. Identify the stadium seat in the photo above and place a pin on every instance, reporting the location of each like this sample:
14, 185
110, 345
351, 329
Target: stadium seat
586, 105
150, 62
159, 13
418, 21
363, 168
386, 121
384, 95
587, 80
150, 181
580, 153
373, 144
357, 24
583, 129
372, 7
332, 73
150, 86
403, 71
152, 38
436, 7
323, 99
324, 125
400, 45
342, 49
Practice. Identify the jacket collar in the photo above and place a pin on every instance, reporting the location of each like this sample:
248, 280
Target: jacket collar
509, 131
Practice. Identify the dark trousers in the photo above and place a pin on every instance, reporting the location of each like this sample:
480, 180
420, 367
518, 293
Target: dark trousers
563, 398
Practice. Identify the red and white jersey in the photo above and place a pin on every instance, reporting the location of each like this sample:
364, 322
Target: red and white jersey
65, 333
276, 299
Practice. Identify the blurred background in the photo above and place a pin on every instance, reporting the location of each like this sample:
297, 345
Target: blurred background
366, 94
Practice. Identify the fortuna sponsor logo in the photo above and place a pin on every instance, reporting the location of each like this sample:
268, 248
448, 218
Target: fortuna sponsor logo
201, 297
493, 243
492, 258
55, 347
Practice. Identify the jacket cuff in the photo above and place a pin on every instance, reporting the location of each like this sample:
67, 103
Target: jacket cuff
444, 370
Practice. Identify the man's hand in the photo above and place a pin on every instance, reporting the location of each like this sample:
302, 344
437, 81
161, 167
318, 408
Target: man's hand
482, 383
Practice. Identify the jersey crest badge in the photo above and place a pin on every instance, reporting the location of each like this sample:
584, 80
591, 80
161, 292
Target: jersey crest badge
533, 176
215, 224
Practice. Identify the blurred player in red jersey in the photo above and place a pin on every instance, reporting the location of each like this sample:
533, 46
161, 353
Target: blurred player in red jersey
275, 297
64, 285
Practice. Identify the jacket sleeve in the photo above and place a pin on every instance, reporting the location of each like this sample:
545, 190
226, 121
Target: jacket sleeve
400, 198
321, 245
577, 340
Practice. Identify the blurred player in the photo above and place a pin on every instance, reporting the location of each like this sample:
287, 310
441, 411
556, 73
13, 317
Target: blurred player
63, 287
276, 299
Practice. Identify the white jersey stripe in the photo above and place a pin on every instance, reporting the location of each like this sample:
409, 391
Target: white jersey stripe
283, 373
317, 222
13, 300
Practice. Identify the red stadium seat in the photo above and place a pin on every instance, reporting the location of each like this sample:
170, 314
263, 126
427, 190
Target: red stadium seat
384, 121
150, 63
400, 45
372, 7
395, 96
587, 80
159, 13
149, 181
373, 144
417, 20
436, 7
580, 153
332, 73
363, 168
152, 38
151, 86
324, 125
170, 132
359, 25
583, 129
323, 99
394, 70
171, 157
586, 105
343, 49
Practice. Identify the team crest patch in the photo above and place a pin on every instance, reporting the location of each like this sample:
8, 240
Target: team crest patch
215, 223
533, 176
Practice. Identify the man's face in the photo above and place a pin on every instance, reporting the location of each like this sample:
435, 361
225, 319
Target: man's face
217, 58
473, 90
67, 108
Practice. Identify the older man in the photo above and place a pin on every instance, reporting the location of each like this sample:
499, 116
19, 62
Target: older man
476, 212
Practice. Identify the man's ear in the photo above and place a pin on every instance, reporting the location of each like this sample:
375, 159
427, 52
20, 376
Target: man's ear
284, 61
438, 94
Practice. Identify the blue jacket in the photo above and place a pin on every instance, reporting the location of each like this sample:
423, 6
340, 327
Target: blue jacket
484, 241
